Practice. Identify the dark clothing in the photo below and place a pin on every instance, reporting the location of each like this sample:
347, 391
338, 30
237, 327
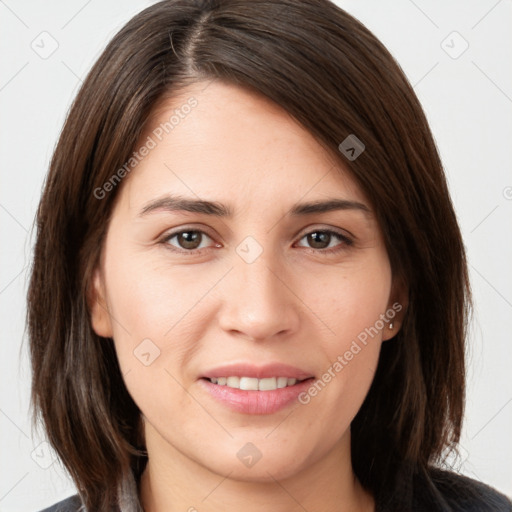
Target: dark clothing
437, 491
70, 504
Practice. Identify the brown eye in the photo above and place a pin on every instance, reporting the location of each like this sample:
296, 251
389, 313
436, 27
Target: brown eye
322, 239
319, 239
187, 240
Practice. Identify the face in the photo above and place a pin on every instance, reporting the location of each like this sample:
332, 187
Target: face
252, 281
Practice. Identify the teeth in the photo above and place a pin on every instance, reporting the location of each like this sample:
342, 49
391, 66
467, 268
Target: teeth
233, 382
282, 382
267, 384
253, 384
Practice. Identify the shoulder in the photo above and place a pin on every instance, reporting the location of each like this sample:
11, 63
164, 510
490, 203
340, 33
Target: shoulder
452, 492
71, 504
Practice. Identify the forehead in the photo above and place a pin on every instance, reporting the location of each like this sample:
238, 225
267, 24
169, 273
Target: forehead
217, 140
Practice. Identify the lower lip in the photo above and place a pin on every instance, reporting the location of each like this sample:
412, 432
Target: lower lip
256, 402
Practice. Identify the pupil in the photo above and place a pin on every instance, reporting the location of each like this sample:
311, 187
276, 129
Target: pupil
189, 239
318, 239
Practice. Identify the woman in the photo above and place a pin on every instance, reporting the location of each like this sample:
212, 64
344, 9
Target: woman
249, 286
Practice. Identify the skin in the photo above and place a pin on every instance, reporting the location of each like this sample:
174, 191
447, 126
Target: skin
296, 304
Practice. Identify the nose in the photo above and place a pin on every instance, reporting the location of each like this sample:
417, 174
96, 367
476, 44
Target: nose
258, 300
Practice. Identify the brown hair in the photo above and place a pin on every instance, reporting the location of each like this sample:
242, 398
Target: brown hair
331, 74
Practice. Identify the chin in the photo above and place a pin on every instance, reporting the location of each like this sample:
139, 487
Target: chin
276, 465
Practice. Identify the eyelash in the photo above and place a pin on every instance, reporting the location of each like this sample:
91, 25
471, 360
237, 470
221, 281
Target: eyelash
346, 241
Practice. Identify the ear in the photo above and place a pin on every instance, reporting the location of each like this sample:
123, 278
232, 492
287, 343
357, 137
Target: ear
96, 299
397, 308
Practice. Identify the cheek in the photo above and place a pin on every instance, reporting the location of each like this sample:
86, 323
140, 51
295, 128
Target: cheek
351, 305
156, 309
351, 300
150, 298
155, 324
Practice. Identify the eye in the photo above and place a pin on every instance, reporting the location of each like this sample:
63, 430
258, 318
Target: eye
187, 240
323, 239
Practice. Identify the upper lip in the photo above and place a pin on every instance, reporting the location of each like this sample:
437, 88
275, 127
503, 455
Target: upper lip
259, 372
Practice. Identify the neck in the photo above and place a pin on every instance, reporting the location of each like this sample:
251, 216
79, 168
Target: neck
172, 482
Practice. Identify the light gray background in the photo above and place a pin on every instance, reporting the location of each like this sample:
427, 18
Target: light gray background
468, 101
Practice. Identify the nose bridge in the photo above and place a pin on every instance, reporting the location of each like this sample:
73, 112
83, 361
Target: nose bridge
257, 303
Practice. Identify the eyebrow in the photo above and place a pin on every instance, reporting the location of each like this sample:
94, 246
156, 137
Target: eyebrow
178, 203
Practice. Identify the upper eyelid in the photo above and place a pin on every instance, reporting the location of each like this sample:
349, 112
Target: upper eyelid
171, 234
338, 231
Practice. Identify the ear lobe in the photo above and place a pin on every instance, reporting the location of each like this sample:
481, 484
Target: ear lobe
397, 308
96, 299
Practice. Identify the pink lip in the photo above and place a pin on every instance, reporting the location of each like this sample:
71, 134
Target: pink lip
255, 402
259, 372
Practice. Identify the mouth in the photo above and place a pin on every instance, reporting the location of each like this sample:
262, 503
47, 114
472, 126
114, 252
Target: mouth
247, 388
250, 395
254, 384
